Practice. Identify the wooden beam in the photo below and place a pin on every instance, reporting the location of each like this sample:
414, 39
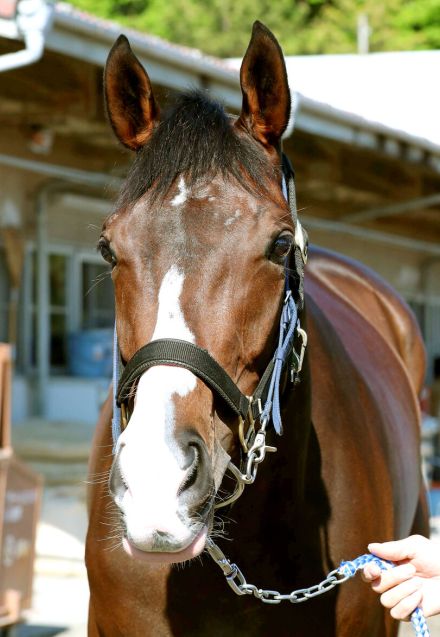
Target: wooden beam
398, 208
372, 235
335, 193
367, 170
414, 226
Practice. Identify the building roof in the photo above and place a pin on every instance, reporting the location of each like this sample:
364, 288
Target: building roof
370, 92
380, 99
398, 90
360, 100
82, 36
356, 168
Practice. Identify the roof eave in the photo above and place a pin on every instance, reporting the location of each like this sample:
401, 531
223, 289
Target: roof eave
324, 120
169, 65
87, 38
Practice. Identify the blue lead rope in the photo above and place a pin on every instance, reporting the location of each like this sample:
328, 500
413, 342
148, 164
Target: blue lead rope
349, 569
288, 325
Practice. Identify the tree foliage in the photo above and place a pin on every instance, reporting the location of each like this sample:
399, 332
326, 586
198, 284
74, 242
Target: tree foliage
222, 27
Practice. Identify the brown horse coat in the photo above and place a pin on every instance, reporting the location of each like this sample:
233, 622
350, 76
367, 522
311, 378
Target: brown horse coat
350, 477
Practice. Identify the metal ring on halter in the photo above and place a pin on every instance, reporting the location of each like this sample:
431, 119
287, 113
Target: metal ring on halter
239, 487
299, 358
247, 439
241, 436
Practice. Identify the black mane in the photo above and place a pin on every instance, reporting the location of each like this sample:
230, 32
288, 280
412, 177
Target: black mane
195, 138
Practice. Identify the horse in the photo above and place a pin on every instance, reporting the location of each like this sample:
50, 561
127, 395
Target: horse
206, 257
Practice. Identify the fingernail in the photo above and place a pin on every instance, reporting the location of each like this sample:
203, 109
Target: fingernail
372, 546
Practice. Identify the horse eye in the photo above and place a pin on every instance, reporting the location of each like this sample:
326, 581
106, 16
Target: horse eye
281, 248
106, 252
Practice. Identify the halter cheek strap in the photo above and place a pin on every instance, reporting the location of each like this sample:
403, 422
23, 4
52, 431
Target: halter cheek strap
116, 418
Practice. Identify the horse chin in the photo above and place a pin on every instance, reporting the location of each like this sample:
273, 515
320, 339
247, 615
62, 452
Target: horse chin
183, 554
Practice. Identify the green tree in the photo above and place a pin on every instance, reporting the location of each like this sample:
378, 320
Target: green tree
394, 26
418, 23
222, 27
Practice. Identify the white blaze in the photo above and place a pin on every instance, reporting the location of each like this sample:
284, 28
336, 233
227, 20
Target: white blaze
150, 461
182, 195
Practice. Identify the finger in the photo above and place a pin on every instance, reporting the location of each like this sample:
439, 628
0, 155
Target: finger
407, 606
397, 594
371, 572
393, 577
397, 550
431, 597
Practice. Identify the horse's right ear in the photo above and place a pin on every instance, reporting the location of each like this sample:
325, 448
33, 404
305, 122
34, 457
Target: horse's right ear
131, 107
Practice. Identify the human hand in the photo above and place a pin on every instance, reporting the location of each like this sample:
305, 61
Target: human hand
415, 581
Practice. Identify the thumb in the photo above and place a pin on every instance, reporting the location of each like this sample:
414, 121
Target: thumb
396, 551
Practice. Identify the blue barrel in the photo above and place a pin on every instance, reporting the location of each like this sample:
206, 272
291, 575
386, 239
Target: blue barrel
90, 353
434, 500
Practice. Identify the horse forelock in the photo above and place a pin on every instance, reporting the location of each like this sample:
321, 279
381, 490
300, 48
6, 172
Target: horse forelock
196, 138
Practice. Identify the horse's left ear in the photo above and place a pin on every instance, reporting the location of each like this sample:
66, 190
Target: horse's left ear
266, 96
131, 107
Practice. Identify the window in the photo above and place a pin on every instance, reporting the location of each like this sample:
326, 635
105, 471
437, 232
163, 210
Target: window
80, 297
97, 296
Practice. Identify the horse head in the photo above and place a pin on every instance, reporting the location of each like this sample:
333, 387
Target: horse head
198, 243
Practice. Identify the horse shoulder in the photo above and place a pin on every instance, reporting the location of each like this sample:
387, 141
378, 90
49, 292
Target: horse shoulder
377, 302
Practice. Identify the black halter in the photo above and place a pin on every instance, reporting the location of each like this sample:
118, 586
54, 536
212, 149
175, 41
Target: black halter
265, 400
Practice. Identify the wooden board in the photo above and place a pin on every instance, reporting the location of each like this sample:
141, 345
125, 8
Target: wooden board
20, 501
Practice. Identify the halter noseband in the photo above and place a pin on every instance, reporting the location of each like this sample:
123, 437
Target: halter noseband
264, 404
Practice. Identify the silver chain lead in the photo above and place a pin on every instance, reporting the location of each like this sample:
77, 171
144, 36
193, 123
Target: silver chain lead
231, 571
239, 585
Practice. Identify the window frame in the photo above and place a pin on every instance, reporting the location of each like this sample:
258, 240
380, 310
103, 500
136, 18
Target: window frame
73, 312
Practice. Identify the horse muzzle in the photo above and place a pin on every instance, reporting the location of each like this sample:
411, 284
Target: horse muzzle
165, 494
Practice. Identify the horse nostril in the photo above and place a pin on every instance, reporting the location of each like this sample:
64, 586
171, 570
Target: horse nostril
191, 475
197, 483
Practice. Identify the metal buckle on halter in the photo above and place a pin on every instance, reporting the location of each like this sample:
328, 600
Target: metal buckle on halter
248, 438
298, 359
124, 416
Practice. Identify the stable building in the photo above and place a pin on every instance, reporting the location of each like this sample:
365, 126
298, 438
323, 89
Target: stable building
363, 187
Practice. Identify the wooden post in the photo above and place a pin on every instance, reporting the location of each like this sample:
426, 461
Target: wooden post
14, 250
5, 397
20, 501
